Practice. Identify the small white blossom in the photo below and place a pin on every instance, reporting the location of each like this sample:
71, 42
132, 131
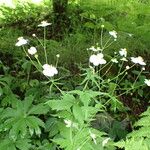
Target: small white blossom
97, 59
113, 33
123, 52
44, 24
57, 55
21, 41
68, 123
105, 141
143, 68
114, 60
32, 51
102, 26
49, 70
127, 67
138, 60
147, 82
34, 35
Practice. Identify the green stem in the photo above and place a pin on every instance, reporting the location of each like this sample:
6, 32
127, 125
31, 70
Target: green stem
44, 45
106, 43
53, 83
40, 41
30, 59
102, 38
85, 85
130, 90
137, 77
107, 70
38, 61
121, 73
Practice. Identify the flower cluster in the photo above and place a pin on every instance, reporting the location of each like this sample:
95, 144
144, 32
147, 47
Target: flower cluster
32, 50
21, 41
147, 82
97, 59
44, 24
123, 52
49, 70
138, 60
113, 34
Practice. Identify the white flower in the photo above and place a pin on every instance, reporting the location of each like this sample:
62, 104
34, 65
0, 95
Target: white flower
21, 41
113, 33
34, 35
147, 81
44, 24
68, 123
32, 51
114, 60
143, 68
57, 55
127, 67
97, 59
102, 26
123, 52
49, 70
138, 60
105, 141
93, 136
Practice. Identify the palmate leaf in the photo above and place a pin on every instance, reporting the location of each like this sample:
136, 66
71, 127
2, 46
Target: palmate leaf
27, 103
64, 104
85, 96
19, 127
62, 142
9, 100
34, 123
9, 144
38, 109
21, 120
78, 114
89, 112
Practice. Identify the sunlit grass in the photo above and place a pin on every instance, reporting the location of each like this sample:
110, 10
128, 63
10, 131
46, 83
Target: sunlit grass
12, 3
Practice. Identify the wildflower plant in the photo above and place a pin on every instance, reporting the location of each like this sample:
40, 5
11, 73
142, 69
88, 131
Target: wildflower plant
46, 69
99, 92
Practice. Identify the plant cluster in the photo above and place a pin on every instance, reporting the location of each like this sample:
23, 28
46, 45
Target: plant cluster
42, 112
